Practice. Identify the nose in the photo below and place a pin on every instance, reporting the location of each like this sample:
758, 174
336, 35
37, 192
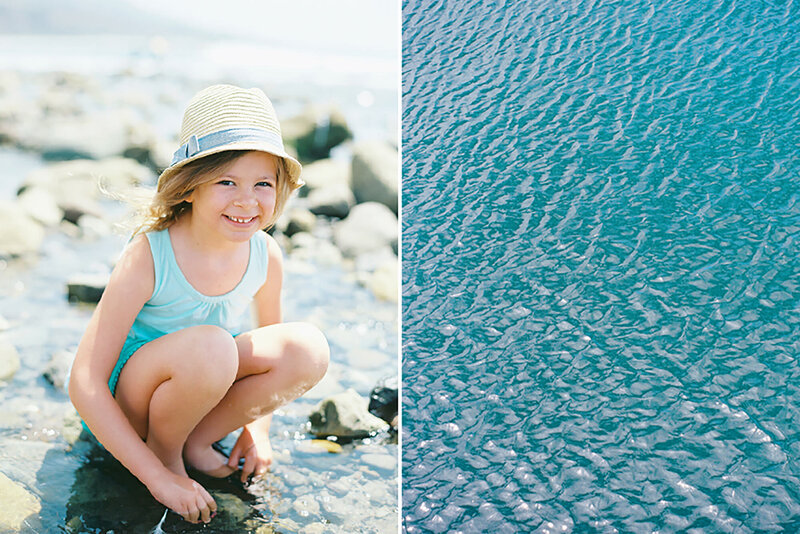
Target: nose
246, 198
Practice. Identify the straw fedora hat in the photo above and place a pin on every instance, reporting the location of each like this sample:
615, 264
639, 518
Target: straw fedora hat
226, 117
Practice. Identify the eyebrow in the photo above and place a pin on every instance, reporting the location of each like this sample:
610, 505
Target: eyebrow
262, 177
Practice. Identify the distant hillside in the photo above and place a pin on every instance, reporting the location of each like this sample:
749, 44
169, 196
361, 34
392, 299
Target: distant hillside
83, 17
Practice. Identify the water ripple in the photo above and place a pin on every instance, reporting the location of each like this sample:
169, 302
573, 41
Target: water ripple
600, 248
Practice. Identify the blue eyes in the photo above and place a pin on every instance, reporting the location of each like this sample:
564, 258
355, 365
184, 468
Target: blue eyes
231, 182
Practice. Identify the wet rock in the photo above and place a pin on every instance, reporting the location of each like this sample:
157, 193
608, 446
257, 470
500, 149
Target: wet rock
299, 220
86, 287
72, 427
57, 368
315, 132
345, 415
381, 461
19, 233
324, 173
40, 205
383, 399
369, 227
9, 361
18, 504
331, 201
375, 173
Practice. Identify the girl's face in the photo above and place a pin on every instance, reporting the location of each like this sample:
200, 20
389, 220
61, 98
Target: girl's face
241, 200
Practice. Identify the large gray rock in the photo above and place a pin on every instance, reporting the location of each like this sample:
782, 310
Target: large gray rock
19, 233
315, 132
9, 361
345, 415
324, 173
331, 201
93, 136
18, 504
375, 175
369, 227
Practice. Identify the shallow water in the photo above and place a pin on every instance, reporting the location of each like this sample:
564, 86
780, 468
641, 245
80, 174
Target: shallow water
600, 248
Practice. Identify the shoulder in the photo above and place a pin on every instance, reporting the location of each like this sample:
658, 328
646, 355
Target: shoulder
273, 249
134, 271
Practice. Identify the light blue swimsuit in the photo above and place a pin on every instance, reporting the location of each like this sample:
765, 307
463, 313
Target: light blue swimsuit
175, 304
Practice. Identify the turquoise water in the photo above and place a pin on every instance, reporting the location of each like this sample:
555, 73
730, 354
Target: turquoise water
600, 256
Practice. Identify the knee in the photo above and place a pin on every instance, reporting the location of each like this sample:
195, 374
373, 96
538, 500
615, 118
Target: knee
215, 359
309, 351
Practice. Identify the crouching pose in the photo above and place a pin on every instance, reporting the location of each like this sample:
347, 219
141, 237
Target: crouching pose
164, 369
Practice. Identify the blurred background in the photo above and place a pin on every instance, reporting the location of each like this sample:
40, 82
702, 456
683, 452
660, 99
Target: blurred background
93, 93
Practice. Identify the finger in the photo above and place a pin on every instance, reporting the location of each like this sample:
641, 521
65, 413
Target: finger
205, 512
249, 466
192, 515
261, 467
212, 504
236, 453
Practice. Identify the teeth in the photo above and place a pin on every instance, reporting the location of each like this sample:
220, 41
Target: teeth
238, 220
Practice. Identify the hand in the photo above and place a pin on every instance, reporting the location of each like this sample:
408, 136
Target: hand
185, 497
256, 450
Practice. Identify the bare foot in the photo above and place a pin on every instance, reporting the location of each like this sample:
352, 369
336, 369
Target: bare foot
207, 461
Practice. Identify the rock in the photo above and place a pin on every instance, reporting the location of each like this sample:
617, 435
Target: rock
324, 173
72, 427
91, 136
383, 400
375, 174
381, 461
75, 185
40, 205
57, 368
369, 227
384, 283
331, 201
315, 132
306, 247
86, 287
19, 233
9, 361
299, 220
345, 415
18, 504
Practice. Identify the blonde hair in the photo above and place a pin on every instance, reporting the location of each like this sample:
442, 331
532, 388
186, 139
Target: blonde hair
169, 201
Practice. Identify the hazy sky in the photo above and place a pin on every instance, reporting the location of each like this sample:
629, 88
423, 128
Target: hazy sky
371, 24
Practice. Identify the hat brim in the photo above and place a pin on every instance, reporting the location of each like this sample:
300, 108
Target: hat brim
293, 167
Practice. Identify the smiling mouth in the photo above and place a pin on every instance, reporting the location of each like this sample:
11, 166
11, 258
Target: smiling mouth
241, 220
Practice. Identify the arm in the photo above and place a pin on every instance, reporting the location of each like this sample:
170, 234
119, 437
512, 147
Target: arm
130, 286
253, 444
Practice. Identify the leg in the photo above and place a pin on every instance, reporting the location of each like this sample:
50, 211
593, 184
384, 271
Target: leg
171, 383
277, 364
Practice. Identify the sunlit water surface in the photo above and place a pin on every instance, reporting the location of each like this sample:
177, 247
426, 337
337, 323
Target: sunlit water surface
600, 257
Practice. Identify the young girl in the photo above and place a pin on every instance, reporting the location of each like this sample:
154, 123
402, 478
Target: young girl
164, 369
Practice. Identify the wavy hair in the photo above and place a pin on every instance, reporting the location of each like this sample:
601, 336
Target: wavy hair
169, 201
